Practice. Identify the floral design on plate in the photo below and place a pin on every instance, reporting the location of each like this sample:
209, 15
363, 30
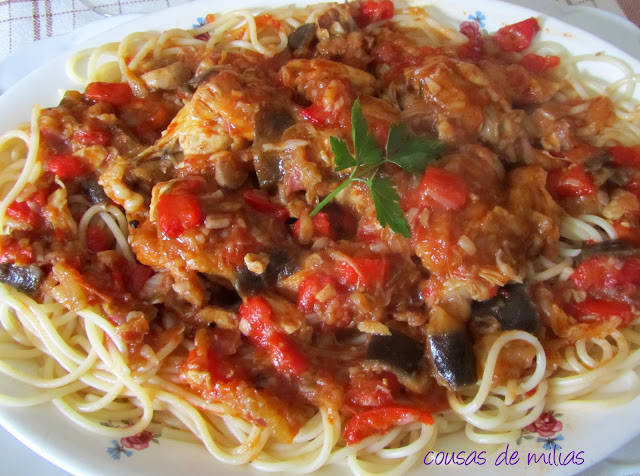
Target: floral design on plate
124, 446
479, 18
548, 427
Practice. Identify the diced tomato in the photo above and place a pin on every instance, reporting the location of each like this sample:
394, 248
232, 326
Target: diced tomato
321, 225
372, 11
376, 390
310, 286
380, 131
627, 233
572, 181
137, 274
27, 210
268, 19
156, 117
316, 114
539, 64
13, 251
474, 48
262, 204
363, 272
92, 137
602, 309
517, 37
285, 356
204, 358
441, 188
98, 239
116, 94
67, 166
380, 420
625, 156
178, 212
20, 211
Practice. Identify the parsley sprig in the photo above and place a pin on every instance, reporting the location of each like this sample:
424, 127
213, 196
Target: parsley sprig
411, 153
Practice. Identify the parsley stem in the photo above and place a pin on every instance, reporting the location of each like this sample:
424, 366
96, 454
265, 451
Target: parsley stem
330, 197
352, 178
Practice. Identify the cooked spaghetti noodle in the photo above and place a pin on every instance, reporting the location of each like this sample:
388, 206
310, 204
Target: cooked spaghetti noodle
164, 265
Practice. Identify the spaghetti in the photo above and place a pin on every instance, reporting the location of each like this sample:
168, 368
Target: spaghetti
164, 263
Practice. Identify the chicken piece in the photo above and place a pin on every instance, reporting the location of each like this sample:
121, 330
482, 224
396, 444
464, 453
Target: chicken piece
561, 126
315, 79
337, 20
351, 49
223, 110
445, 96
168, 77
112, 180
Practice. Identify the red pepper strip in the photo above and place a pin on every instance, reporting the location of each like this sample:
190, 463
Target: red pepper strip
177, 213
444, 189
261, 204
572, 181
625, 156
602, 272
67, 166
263, 332
539, 64
602, 309
380, 420
116, 94
372, 11
517, 37
363, 272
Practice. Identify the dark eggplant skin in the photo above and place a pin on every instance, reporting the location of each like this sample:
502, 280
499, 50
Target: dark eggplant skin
270, 123
281, 264
619, 248
25, 279
397, 351
94, 191
300, 39
453, 358
511, 307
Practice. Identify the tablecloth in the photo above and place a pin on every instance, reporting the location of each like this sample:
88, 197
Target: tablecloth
26, 21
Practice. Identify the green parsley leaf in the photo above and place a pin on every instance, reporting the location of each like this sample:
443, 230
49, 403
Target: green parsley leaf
412, 153
364, 144
408, 152
344, 159
386, 201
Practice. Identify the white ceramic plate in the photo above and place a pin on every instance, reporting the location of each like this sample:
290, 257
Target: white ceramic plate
594, 433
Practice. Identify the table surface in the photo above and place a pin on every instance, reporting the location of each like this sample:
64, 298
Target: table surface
22, 22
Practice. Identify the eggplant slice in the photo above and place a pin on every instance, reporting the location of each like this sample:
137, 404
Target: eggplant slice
396, 352
511, 307
453, 358
25, 279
